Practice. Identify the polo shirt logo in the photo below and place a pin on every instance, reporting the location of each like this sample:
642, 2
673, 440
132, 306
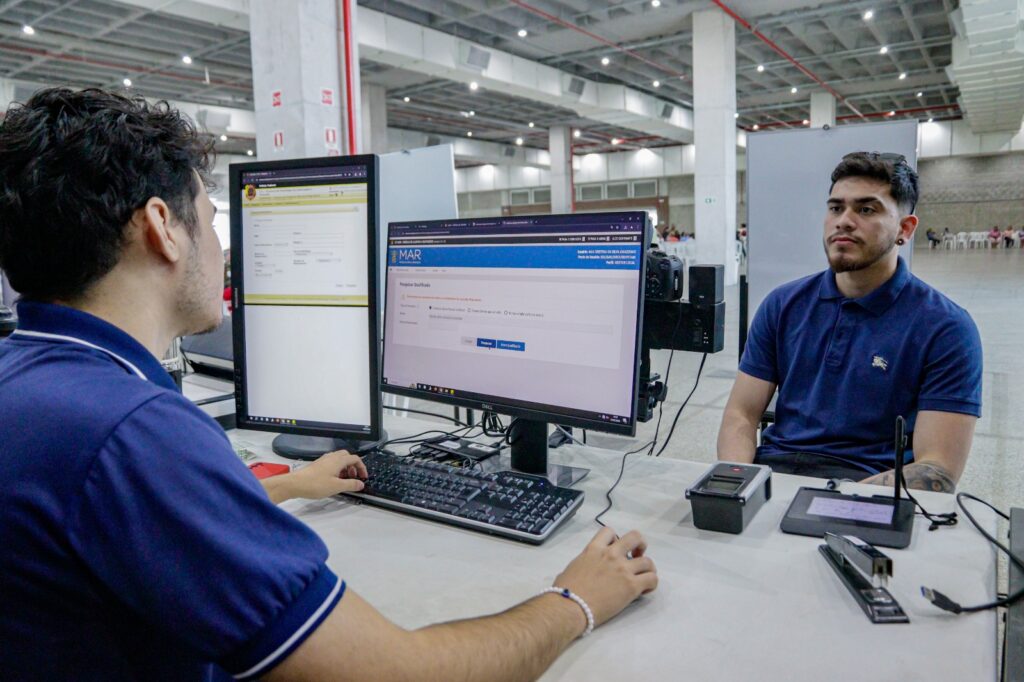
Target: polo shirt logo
880, 362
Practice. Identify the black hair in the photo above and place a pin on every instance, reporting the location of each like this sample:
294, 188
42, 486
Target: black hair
889, 168
74, 167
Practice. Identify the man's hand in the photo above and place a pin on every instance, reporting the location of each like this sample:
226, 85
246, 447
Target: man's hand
919, 476
606, 578
334, 473
942, 441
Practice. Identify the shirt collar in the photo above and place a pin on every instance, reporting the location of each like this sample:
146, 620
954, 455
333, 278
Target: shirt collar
879, 300
53, 323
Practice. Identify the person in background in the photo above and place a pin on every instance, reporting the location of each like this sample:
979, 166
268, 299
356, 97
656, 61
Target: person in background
993, 237
933, 238
1008, 237
673, 236
1020, 237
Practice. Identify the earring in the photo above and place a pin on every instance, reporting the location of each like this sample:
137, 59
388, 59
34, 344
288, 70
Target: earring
900, 241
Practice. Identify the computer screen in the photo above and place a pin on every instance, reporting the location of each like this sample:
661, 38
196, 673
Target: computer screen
537, 317
304, 280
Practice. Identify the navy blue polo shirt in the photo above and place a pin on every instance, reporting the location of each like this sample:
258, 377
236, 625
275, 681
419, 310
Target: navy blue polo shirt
135, 544
846, 368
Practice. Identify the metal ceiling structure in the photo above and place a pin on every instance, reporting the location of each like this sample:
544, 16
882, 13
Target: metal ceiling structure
643, 44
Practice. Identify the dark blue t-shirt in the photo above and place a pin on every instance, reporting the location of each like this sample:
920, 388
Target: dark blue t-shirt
135, 544
846, 368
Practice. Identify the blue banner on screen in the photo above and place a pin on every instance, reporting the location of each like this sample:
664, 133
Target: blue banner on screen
577, 257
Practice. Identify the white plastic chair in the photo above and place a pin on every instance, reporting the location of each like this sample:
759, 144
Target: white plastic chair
962, 241
978, 240
948, 241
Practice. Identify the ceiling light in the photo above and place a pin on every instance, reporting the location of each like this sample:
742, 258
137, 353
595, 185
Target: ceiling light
930, 119
28, 30
616, 140
469, 134
891, 113
793, 90
519, 141
760, 68
869, 15
474, 85
522, 33
530, 124
248, 152
472, 113
806, 122
127, 82
884, 49
186, 60
655, 3
223, 138
756, 127
576, 133
920, 94
903, 76
405, 99
605, 61
656, 83
736, 115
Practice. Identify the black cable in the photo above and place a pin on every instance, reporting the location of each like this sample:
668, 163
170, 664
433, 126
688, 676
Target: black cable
657, 427
429, 414
679, 412
945, 603
622, 468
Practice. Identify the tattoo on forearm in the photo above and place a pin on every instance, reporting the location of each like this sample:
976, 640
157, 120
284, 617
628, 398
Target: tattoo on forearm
926, 476
919, 476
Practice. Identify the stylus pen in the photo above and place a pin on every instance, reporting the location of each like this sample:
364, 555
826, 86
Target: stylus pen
901, 446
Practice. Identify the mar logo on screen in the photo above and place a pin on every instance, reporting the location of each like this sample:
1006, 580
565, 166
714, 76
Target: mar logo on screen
409, 256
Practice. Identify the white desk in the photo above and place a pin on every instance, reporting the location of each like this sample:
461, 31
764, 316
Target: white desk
762, 605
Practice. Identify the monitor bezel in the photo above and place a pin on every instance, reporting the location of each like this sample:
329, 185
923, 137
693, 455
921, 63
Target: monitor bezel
243, 419
535, 411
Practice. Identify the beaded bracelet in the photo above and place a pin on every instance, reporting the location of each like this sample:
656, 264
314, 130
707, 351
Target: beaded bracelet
568, 594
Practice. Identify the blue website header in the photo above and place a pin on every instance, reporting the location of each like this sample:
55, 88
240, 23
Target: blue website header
596, 223
563, 257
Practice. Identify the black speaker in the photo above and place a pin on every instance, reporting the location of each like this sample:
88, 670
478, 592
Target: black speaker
707, 284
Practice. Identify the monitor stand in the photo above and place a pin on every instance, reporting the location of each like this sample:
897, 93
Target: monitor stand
292, 446
530, 454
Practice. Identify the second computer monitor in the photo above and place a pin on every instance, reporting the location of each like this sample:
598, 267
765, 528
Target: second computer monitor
537, 317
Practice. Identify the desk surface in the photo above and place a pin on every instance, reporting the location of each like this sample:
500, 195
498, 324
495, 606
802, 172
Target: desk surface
762, 605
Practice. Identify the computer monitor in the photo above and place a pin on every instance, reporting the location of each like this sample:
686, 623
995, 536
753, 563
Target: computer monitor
212, 353
304, 290
537, 317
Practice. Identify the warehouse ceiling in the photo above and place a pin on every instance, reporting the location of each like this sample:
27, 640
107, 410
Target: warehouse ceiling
885, 59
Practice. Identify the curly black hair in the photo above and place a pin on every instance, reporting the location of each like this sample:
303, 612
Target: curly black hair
889, 168
74, 167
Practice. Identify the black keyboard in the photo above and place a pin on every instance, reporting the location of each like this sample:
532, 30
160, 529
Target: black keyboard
507, 503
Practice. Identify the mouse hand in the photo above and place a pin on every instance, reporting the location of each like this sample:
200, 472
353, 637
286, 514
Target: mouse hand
605, 576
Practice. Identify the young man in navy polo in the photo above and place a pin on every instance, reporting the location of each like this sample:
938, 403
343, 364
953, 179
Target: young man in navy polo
857, 345
135, 544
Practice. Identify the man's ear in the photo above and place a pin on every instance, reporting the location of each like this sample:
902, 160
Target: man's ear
158, 230
908, 225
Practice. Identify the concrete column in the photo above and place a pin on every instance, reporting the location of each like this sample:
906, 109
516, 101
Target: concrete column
714, 139
823, 110
299, 84
6, 94
560, 147
375, 120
